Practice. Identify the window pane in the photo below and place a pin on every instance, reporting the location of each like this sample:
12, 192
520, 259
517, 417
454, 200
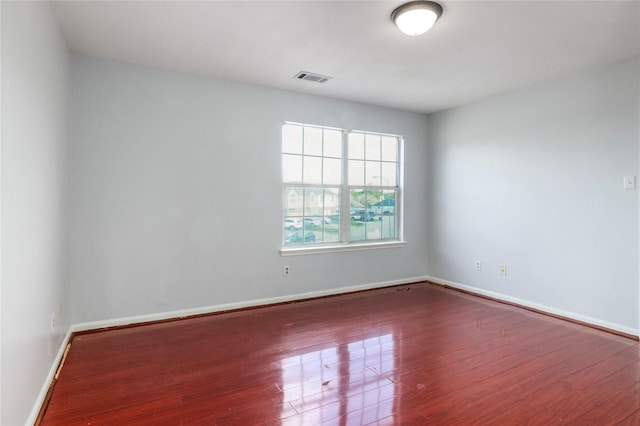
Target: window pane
331, 232
373, 231
333, 143
292, 228
356, 172
357, 198
372, 147
332, 171
292, 139
331, 202
313, 223
292, 168
293, 221
312, 170
310, 215
386, 208
372, 214
362, 204
313, 202
387, 203
389, 174
389, 148
361, 213
331, 218
388, 226
293, 205
372, 175
313, 209
312, 141
356, 146
357, 231
357, 214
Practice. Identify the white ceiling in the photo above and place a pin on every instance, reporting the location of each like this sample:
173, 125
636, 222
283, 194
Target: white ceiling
477, 49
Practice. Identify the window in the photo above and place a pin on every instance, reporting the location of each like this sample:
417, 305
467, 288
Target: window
340, 187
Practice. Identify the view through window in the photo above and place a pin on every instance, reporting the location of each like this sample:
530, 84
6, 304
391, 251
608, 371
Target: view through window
325, 169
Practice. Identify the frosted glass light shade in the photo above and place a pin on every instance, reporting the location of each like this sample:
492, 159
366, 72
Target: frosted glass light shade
416, 17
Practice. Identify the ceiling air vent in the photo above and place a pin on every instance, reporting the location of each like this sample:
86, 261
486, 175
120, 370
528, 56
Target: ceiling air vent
309, 76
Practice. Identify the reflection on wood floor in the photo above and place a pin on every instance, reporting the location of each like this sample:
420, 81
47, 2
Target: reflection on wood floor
410, 355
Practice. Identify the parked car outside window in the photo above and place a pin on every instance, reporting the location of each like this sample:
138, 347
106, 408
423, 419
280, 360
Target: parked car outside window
314, 221
292, 224
297, 237
363, 216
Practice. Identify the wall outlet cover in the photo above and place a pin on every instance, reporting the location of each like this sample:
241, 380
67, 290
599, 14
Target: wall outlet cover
629, 182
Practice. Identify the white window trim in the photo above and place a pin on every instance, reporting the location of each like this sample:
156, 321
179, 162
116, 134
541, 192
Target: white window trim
358, 245
354, 246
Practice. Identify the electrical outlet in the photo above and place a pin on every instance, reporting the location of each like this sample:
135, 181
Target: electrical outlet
53, 321
503, 270
478, 265
286, 270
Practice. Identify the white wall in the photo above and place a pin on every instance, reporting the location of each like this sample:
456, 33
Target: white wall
177, 197
35, 66
533, 180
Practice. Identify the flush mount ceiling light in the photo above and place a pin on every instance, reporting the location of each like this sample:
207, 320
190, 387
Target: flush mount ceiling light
416, 17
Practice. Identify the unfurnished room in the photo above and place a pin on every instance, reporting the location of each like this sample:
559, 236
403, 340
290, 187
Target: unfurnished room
320, 212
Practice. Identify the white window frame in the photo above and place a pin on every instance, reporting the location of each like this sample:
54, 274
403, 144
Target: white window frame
345, 244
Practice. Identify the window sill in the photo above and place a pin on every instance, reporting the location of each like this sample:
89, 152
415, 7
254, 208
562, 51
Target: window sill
296, 251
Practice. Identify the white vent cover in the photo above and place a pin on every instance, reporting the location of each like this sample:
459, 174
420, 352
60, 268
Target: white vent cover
309, 76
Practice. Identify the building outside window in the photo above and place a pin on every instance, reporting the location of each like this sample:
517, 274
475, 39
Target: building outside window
324, 169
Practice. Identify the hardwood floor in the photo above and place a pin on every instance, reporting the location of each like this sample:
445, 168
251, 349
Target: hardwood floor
411, 355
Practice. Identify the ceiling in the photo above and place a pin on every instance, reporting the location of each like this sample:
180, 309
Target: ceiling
477, 49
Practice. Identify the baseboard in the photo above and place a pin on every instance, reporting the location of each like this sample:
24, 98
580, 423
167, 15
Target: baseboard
236, 305
44, 391
583, 319
33, 416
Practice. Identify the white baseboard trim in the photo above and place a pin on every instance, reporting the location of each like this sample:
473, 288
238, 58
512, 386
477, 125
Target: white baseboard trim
538, 307
33, 416
190, 312
237, 305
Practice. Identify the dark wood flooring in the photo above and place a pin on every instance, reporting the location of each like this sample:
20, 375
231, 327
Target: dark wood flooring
411, 355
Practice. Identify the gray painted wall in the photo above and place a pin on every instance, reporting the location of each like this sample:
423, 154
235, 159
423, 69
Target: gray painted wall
177, 196
35, 255
533, 179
